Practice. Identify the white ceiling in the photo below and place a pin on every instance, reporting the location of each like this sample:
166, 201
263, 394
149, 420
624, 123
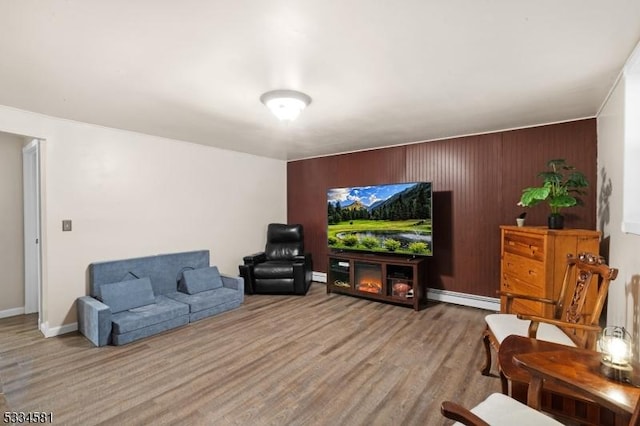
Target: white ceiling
379, 72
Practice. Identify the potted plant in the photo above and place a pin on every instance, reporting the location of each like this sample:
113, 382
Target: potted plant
561, 188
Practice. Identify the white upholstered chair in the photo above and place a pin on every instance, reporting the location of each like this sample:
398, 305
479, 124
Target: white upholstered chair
571, 325
496, 410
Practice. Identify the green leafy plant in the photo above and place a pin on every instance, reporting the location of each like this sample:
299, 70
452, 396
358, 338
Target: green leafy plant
370, 242
332, 241
561, 188
350, 240
391, 244
418, 247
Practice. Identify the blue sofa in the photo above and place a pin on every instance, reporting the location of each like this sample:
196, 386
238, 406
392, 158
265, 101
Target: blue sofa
134, 298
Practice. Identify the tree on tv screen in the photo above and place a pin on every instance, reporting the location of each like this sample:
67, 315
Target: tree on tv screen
413, 203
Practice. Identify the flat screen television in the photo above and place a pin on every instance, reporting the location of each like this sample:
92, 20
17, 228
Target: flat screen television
391, 218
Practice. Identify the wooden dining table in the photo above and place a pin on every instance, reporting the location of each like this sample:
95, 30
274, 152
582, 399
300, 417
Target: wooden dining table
516, 379
578, 372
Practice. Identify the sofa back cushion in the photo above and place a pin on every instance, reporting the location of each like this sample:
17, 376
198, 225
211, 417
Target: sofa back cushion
164, 270
125, 295
199, 280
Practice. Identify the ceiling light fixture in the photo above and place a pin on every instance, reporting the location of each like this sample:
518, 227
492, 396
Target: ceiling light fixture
285, 104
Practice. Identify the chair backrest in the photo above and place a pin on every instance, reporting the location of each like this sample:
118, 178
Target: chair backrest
582, 272
284, 242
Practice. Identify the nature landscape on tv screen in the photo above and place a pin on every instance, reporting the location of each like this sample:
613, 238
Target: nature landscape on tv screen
393, 218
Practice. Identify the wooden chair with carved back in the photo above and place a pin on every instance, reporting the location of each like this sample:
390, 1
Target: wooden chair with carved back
571, 324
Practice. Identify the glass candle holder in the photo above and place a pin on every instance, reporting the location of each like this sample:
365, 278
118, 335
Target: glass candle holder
614, 346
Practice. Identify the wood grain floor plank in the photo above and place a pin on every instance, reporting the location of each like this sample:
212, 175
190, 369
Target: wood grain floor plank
277, 360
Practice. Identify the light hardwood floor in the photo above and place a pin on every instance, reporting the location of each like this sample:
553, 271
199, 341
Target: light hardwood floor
277, 360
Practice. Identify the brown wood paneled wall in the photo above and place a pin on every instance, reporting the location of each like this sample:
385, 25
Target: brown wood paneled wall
477, 181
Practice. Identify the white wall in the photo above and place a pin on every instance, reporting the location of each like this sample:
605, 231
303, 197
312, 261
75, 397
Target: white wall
631, 207
11, 226
130, 194
624, 253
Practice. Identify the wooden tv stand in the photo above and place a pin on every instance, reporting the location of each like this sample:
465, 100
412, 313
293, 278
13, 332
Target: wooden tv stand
385, 278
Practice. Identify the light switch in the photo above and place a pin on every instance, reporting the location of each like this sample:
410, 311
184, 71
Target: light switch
66, 225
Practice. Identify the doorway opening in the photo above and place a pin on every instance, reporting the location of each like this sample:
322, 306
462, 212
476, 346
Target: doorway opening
32, 229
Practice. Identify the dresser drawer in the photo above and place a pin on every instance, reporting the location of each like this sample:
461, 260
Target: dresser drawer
529, 246
513, 284
523, 268
527, 307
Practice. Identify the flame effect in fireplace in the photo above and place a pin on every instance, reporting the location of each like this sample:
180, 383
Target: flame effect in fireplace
369, 282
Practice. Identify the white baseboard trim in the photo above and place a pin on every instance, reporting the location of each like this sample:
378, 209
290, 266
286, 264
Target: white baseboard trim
12, 312
320, 277
465, 299
57, 331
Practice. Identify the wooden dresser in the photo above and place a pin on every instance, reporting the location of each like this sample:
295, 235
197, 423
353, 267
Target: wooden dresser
533, 262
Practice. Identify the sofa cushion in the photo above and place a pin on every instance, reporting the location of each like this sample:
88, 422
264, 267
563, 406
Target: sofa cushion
207, 299
164, 309
125, 295
198, 280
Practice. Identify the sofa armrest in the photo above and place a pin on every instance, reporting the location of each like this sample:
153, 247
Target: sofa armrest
255, 258
94, 320
235, 283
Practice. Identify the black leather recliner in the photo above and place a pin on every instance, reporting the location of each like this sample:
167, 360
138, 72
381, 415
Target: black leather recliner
283, 267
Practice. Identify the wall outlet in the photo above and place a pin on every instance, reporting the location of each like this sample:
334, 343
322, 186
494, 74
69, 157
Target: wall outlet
66, 225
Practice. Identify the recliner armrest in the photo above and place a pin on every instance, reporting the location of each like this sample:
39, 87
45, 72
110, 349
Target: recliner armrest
301, 258
255, 258
302, 271
94, 320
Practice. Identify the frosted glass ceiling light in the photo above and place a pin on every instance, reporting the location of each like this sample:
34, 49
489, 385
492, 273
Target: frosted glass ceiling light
285, 104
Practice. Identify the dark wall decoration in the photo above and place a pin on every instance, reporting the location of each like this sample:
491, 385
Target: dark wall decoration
477, 181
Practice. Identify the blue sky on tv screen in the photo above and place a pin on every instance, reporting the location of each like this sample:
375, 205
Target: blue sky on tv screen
367, 195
